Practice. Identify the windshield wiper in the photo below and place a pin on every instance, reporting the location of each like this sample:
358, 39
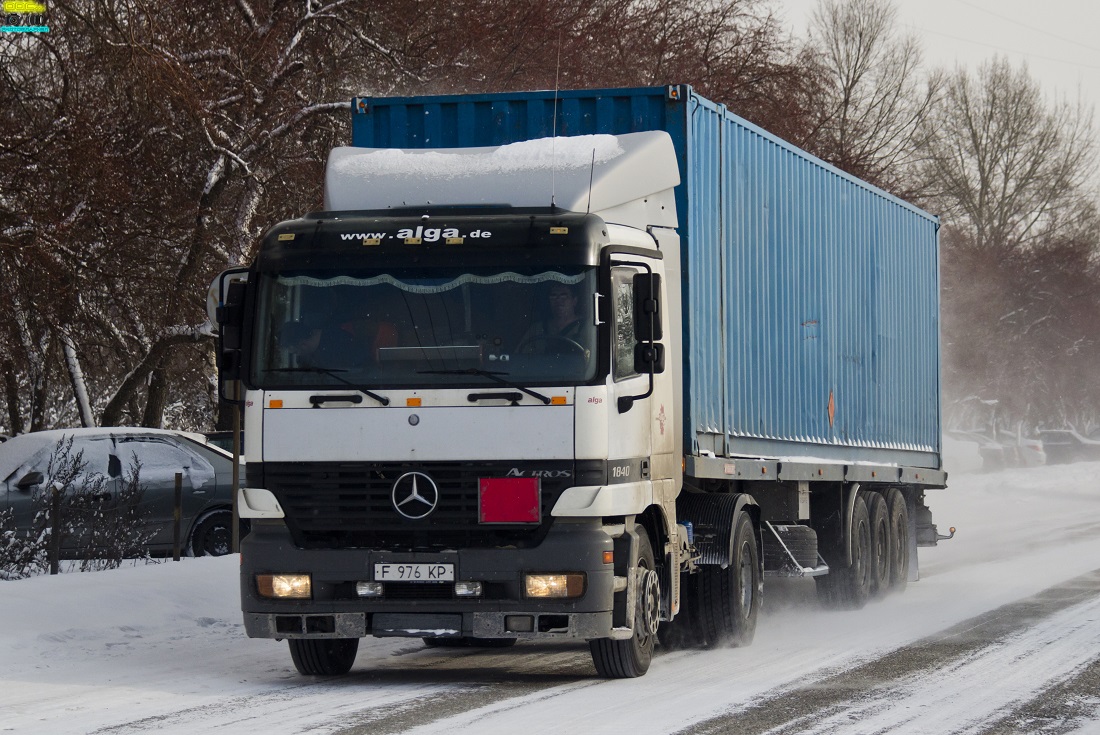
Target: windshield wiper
334, 373
491, 376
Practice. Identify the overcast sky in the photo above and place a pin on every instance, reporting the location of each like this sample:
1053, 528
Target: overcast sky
1059, 39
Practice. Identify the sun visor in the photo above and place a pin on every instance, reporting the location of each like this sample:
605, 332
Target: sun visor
632, 175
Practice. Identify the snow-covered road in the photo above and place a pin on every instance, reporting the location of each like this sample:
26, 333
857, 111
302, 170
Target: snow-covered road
1000, 635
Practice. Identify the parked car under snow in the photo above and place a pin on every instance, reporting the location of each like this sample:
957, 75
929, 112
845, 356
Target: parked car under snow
108, 457
1066, 445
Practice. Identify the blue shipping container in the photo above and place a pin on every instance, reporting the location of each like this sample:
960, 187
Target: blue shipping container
811, 298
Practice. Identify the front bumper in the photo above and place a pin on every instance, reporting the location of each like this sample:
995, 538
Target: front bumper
431, 610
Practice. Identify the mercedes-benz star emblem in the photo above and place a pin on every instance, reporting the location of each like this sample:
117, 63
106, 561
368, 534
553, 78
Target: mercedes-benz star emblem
415, 495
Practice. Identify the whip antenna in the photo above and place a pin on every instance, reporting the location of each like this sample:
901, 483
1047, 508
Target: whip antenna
591, 175
554, 130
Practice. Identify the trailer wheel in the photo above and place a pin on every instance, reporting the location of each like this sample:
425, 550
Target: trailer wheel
727, 601
629, 658
882, 546
849, 587
323, 656
899, 538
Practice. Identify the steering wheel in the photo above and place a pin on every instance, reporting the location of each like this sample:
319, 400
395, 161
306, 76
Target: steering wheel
555, 344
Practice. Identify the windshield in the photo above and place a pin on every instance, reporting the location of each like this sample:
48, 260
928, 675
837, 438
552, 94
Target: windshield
428, 328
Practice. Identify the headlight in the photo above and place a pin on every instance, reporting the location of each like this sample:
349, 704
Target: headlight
284, 586
555, 585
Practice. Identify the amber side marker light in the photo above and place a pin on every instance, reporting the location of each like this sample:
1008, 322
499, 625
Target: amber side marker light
284, 586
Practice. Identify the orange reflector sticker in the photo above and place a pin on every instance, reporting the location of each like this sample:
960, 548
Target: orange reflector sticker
412, 402
275, 403
557, 400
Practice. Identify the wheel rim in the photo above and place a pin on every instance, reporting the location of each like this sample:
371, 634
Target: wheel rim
882, 547
647, 612
744, 579
863, 547
216, 541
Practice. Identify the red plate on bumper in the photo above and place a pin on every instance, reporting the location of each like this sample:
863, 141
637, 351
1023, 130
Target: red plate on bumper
508, 500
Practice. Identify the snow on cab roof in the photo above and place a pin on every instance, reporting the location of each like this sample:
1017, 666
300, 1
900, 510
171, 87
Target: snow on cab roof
584, 173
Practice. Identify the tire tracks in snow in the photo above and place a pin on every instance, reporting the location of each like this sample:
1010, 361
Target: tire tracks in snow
501, 686
961, 680
1064, 708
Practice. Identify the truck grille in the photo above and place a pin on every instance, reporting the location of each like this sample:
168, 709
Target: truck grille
341, 505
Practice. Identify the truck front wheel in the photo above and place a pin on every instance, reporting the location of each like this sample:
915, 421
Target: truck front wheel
323, 656
629, 658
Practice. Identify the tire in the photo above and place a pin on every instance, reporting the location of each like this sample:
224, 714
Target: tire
882, 544
213, 534
727, 601
323, 656
850, 587
630, 658
467, 642
899, 535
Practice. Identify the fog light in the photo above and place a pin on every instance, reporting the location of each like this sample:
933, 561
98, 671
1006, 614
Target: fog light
555, 585
519, 623
369, 589
468, 589
284, 586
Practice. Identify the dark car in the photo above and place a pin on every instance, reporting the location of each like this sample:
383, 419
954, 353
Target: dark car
223, 440
1066, 445
108, 457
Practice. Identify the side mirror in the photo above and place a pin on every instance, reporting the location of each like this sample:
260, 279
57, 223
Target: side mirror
649, 357
647, 307
230, 316
225, 306
29, 480
114, 466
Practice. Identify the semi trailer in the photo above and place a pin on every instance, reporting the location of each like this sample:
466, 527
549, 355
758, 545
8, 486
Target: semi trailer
585, 365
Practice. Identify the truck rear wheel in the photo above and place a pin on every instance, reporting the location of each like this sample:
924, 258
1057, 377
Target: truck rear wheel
629, 658
323, 656
899, 537
727, 601
882, 547
849, 587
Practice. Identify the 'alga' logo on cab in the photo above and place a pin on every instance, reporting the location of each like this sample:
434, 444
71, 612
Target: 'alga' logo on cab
23, 16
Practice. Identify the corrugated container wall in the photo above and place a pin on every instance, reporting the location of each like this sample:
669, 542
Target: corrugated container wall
811, 299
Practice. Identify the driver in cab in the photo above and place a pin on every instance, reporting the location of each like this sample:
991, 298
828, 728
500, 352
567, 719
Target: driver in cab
562, 326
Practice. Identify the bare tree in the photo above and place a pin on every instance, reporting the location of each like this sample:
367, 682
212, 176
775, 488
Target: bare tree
1021, 241
1006, 166
149, 143
873, 96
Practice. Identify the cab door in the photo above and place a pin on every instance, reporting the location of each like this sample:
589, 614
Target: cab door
639, 424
